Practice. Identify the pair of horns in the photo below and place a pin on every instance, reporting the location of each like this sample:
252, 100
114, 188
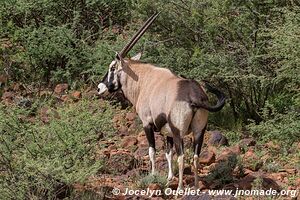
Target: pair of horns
138, 35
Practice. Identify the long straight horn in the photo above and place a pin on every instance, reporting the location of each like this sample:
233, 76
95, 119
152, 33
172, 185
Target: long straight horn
138, 35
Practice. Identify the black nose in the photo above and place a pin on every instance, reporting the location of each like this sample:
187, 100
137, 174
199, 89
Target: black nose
98, 90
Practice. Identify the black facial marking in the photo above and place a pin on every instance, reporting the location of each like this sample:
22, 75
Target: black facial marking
110, 84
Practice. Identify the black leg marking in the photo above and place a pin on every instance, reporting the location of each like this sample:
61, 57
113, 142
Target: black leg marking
170, 144
198, 140
179, 146
150, 135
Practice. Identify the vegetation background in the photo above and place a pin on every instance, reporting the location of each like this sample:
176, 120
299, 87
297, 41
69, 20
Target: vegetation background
248, 49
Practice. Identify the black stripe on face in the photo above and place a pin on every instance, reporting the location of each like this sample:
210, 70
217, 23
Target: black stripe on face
105, 79
110, 84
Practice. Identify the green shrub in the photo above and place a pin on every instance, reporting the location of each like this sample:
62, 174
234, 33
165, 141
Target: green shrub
38, 160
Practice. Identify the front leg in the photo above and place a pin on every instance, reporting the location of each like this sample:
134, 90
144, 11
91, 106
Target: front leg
169, 156
151, 141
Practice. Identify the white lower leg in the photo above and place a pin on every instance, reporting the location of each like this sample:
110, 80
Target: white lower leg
180, 166
169, 157
152, 159
196, 166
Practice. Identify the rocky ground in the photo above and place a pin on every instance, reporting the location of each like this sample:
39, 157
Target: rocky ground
224, 164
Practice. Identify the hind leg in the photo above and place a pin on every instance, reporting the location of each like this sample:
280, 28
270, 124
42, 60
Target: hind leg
199, 123
151, 140
169, 156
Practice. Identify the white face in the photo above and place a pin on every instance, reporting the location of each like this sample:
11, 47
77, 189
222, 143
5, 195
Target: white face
110, 82
113, 76
102, 89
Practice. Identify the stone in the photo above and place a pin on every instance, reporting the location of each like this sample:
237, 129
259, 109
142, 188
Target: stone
129, 141
76, 95
228, 152
216, 138
207, 157
265, 182
61, 88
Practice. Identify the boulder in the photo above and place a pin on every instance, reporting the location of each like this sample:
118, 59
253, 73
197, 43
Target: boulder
207, 157
216, 138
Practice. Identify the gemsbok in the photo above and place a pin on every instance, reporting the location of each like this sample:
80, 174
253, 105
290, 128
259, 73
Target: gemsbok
162, 100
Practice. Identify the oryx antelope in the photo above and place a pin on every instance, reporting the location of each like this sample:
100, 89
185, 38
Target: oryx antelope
162, 100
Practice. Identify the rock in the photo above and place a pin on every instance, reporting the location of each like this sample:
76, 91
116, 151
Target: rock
76, 95
207, 157
251, 161
216, 138
248, 142
279, 176
61, 88
120, 162
130, 116
228, 152
154, 186
264, 182
129, 141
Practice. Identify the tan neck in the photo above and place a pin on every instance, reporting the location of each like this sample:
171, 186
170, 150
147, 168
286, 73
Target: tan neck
132, 78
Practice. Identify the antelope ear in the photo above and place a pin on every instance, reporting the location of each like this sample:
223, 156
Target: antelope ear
137, 56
